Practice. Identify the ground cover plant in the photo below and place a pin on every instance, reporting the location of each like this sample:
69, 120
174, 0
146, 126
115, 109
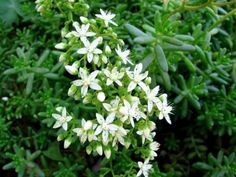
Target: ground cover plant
118, 88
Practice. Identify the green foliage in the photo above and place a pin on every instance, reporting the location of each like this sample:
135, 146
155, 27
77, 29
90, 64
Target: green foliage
188, 47
221, 165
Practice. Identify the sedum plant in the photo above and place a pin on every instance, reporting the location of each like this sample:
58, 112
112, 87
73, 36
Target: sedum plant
117, 91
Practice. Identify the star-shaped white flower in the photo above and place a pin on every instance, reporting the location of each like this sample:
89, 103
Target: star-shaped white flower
81, 31
136, 77
131, 111
106, 17
145, 133
90, 49
62, 120
151, 96
105, 127
164, 108
113, 107
87, 81
119, 136
113, 76
144, 168
124, 55
86, 131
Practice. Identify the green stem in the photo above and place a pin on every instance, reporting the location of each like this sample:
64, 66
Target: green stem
232, 12
198, 7
191, 8
223, 3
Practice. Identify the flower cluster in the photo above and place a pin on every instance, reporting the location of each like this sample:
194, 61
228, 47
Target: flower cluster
122, 96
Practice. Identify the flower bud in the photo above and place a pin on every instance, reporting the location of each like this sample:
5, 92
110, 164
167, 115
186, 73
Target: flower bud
101, 96
62, 57
121, 42
60, 45
71, 69
107, 49
67, 143
83, 19
72, 90
100, 39
99, 149
148, 80
104, 59
4, 98
59, 109
89, 149
60, 137
107, 152
86, 100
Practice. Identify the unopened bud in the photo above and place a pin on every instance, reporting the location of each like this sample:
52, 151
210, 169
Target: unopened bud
101, 96
60, 45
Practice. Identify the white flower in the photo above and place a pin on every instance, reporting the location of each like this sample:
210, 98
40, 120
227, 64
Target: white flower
87, 81
82, 32
113, 107
90, 49
105, 127
131, 111
144, 168
145, 134
151, 96
86, 131
123, 55
113, 76
154, 146
61, 120
164, 109
137, 77
106, 17
101, 96
119, 136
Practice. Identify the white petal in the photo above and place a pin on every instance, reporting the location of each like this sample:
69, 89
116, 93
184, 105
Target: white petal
110, 118
82, 73
150, 106
90, 34
98, 130
93, 75
82, 51
64, 112
131, 86
95, 86
118, 82
90, 57
109, 82
97, 51
107, 106
56, 116
142, 85
65, 126
155, 91
104, 137
84, 90
78, 82
57, 124
100, 118
138, 69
